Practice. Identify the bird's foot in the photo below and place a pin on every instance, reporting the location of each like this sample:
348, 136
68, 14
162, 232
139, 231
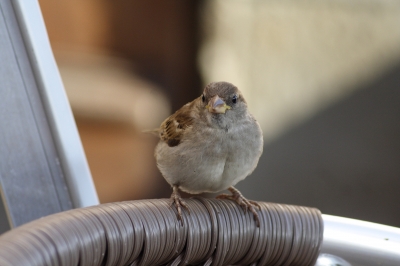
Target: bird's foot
179, 203
247, 205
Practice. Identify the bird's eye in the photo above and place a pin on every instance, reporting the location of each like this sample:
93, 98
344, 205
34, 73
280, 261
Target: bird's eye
203, 98
234, 98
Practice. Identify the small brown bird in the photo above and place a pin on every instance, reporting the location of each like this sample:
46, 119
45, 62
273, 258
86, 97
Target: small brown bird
209, 145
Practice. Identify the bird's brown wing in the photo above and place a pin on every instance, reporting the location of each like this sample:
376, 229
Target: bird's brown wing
173, 128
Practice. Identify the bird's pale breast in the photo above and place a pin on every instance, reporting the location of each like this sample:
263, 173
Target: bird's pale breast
212, 160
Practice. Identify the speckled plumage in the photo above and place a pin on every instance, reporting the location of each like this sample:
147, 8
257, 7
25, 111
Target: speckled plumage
202, 151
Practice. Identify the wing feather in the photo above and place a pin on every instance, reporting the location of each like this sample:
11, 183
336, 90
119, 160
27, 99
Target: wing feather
173, 128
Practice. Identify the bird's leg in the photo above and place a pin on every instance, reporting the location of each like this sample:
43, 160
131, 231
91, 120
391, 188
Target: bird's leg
178, 201
242, 201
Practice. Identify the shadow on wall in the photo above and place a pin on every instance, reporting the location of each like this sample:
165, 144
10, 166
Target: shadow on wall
345, 160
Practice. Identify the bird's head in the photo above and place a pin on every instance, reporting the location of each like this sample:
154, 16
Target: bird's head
220, 97
223, 101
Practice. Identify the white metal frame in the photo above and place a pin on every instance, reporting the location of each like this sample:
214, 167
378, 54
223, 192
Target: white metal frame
360, 242
65, 133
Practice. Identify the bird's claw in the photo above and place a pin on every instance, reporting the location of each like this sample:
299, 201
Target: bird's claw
247, 205
178, 201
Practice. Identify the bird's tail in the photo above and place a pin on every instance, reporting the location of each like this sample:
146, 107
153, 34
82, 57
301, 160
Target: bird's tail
154, 132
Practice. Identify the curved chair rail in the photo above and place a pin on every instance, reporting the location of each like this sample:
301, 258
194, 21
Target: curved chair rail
147, 232
360, 242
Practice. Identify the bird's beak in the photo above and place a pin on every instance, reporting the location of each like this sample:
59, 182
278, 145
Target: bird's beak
217, 105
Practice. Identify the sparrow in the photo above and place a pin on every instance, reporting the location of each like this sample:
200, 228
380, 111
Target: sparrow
209, 145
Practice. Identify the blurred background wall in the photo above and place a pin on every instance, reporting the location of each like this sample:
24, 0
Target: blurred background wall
322, 78
125, 65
